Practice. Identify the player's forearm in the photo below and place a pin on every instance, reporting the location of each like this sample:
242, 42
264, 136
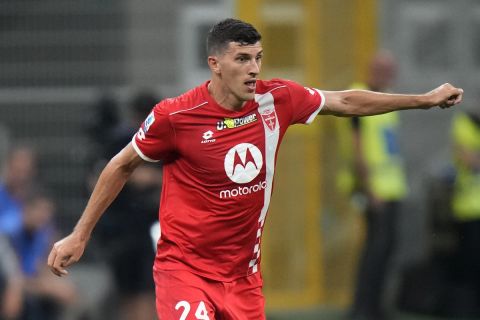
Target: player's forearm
111, 181
364, 103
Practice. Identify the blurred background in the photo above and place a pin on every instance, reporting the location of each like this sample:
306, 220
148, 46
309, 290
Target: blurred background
78, 77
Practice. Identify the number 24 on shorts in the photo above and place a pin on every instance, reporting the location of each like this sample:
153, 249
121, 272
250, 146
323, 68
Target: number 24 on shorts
201, 313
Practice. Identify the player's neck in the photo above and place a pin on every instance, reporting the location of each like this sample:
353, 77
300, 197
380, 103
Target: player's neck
224, 97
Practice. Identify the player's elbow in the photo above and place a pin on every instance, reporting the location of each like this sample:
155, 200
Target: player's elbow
126, 161
342, 104
121, 166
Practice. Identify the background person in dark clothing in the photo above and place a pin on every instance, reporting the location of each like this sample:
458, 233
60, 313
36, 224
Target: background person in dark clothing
125, 232
380, 179
466, 211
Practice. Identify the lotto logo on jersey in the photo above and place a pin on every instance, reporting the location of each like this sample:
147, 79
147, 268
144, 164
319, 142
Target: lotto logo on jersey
243, 163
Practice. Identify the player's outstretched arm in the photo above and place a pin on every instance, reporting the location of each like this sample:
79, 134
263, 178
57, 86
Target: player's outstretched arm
112, 179
363, 103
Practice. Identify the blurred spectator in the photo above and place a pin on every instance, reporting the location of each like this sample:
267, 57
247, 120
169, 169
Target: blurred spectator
10, 282
45, 295
125, 230
466, 210
380, 181
104, 122
4, 143
18, 178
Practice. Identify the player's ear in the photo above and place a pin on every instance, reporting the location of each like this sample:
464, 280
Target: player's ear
214, 64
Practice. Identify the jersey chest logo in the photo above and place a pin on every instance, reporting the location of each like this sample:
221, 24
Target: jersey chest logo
243, 163
232, 123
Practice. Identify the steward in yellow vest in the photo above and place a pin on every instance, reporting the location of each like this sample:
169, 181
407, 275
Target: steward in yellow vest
466, 211
379, 173
376, 170
466, 139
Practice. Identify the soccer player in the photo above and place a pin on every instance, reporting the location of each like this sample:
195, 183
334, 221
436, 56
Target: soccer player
218, 143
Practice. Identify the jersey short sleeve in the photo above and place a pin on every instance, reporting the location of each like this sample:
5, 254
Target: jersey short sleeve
306, 103
154, 140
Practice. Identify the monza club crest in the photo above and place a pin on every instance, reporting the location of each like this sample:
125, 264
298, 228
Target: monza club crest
269, 118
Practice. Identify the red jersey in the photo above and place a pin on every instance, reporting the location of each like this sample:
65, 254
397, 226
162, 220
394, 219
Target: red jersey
218, 170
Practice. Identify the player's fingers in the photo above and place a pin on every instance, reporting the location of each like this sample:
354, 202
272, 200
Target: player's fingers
60, 270
58, 264
55, 271
459, 96
69, 261
455, 97
51, 262
51, 257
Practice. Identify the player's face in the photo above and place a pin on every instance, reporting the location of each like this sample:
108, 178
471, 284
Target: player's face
239, 66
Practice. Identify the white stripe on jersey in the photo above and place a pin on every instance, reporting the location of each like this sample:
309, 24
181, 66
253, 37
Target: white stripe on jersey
140, 153
201, 104
266, 103
266, 106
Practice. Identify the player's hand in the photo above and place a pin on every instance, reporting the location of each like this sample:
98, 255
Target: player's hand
445, 96
65, 253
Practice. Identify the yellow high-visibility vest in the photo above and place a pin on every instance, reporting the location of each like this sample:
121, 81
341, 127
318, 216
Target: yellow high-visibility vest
379, 134
466, 197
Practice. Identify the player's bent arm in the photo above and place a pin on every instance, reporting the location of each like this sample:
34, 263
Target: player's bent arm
112, 179
363, 102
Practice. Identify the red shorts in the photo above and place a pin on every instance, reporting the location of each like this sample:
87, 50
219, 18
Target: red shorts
181, 295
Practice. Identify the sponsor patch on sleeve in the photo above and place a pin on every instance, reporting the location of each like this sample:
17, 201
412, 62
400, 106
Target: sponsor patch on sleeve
148, 122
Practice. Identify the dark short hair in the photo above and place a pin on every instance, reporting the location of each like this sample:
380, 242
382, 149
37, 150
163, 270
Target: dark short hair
231, 30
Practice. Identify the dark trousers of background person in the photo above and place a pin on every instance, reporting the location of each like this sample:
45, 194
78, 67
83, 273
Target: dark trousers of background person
373, 267
40, 308
465, 297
